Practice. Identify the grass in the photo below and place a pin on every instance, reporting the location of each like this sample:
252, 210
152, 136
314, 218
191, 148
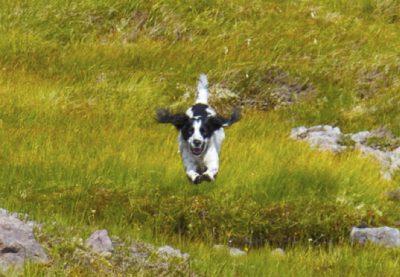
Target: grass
79, 84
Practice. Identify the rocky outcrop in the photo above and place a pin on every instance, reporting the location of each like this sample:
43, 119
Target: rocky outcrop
324, 137
380, 144
17, 242
126, 258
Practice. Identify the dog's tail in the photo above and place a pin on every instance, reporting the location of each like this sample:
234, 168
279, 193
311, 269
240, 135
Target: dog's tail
202, 90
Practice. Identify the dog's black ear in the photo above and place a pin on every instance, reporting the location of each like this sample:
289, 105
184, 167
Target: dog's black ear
178, 120
235, 117
218, 121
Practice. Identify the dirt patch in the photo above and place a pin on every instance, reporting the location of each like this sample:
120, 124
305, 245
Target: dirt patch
269, 88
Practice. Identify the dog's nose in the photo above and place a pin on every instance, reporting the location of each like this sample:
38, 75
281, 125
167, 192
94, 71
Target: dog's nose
196, 142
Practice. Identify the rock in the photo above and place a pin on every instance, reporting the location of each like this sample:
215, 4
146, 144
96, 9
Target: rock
233, 252
384, 236
100, 243
141, 251
278, 252
236, 252
171, 252
17, 242
299, 132
324, 137
360, 137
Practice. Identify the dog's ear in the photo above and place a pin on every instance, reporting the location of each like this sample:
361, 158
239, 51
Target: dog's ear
217, 122
178, 120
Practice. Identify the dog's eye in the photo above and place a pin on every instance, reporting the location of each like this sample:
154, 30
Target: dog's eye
191, 130
203, 131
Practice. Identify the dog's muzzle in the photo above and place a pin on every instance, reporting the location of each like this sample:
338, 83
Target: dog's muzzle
197, 147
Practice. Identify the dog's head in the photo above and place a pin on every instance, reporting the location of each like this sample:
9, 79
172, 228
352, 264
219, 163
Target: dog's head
196, 130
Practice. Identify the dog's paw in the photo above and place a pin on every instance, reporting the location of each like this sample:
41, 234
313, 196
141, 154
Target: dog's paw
198, 180
208, 177
195, 179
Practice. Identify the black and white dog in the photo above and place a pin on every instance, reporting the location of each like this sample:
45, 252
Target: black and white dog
201, 135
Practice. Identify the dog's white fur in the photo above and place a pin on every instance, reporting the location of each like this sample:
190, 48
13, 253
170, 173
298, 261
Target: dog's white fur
208, 160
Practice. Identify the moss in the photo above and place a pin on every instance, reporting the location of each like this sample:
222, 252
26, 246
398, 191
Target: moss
383, 143
346, 140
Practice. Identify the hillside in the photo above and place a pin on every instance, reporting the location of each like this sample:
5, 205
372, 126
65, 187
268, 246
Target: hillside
80, 149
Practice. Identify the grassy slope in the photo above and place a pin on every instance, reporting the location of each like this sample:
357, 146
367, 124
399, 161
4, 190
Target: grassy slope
78, 144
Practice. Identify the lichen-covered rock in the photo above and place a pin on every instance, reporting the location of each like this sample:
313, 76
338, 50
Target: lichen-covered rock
17, 242
100, 242
384, 236
168, 251
324, 137
360, 137
380, 144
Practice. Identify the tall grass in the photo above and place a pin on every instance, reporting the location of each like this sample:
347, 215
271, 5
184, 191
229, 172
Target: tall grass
79, 83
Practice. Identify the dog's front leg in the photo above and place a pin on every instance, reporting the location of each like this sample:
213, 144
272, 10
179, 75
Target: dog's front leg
211, 161
190, 167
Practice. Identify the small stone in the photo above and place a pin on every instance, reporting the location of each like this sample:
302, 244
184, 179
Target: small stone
236, 252
384, 236
278, 252
172, 252
100, 243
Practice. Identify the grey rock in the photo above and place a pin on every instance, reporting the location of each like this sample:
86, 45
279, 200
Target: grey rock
278, 252
100, 243
17, 242
236, 252
384, 236
360, 137
299, 132
141, 251
169, 251
326, 137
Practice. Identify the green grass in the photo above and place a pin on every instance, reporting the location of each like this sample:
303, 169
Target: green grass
79, 84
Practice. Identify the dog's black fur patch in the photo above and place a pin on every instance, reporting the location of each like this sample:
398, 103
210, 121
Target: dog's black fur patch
179, 120
209, 124
199, 110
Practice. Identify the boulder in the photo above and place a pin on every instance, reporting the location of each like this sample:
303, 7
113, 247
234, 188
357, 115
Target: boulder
384, 236
17, 242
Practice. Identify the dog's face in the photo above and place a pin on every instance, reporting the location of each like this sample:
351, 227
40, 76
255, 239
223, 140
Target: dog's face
197, 132
197, 125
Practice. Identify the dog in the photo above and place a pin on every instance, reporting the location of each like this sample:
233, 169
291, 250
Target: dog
201, 134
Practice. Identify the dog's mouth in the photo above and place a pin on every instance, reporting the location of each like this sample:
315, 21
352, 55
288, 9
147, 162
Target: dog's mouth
197, 150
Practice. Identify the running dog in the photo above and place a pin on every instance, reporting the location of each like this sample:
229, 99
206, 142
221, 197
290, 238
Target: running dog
201, 134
